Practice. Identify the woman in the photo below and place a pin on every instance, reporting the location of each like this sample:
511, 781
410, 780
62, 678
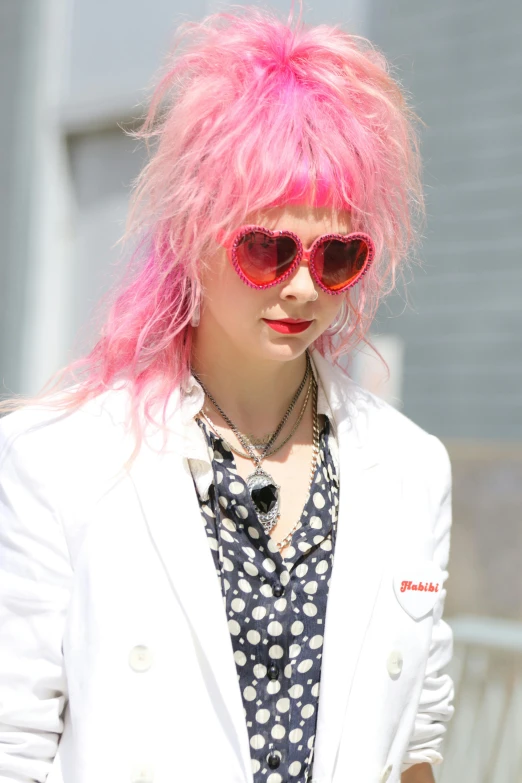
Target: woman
221, 558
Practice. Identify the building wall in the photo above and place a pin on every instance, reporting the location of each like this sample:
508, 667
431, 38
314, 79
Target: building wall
462, 63
18, 26
80, 69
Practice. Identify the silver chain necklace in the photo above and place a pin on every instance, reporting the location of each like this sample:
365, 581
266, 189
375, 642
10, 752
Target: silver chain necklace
315, 453
264, 491
275, 448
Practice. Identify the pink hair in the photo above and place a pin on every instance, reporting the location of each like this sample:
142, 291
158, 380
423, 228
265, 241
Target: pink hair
250, 112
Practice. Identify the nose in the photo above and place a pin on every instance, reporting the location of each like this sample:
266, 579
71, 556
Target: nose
300, 287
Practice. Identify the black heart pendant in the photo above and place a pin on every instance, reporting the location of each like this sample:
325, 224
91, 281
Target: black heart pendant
265, 498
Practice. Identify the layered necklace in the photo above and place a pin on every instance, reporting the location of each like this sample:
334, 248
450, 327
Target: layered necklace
264, 491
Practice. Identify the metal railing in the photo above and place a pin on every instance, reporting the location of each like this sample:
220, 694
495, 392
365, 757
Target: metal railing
484, 739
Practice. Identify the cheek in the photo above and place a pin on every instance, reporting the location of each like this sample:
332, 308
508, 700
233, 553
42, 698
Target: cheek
330, 308
226, 297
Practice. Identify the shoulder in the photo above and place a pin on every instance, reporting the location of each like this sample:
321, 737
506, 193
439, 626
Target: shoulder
50, 445
418, 458
382, 429
106, 410
391, 431
417, 454
390, 443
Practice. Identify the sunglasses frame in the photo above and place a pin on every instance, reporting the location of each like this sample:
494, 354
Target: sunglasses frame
309, 255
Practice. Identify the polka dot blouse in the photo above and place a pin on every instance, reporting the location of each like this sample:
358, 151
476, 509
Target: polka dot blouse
276, 609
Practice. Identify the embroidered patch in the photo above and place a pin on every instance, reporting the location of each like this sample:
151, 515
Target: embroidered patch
417, 587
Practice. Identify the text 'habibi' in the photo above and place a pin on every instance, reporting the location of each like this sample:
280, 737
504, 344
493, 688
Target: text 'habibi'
427, 587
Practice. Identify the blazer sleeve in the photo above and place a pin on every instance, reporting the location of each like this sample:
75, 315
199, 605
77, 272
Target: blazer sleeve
35, 577
435, 706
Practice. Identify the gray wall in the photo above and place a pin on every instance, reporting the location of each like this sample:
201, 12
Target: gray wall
18, 40
102, 92
462, 63
129, 40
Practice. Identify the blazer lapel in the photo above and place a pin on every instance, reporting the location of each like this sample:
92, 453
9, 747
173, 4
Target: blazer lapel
367, 492
170, 507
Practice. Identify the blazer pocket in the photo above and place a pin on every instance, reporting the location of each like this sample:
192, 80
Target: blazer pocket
417, 586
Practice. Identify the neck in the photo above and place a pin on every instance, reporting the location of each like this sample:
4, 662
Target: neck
254, 393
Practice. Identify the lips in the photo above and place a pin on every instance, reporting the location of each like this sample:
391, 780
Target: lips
287, 325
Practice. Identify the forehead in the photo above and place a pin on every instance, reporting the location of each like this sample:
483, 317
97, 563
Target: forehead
306, 221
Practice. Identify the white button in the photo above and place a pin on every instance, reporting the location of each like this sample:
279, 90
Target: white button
386, 773
140, 658
142, 773
395, 663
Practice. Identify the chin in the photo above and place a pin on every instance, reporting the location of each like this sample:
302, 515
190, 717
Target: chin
284, 349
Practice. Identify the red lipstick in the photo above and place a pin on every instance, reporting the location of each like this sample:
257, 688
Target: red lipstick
288, 325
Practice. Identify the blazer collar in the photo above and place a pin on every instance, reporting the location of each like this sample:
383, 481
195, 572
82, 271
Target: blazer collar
351, 406
368, 501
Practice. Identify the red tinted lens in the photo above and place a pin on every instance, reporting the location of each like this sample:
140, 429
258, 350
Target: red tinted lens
339, 263
264, 259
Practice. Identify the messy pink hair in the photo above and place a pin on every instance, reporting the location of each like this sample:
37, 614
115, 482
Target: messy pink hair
249, 112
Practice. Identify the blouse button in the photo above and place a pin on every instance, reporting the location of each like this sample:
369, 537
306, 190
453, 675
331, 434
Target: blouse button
273, 672
273, 761
278, 590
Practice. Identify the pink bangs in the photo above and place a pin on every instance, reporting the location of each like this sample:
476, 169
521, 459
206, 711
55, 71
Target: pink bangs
320, 190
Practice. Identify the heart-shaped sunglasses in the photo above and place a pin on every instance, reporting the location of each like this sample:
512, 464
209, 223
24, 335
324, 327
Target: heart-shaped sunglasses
263, 258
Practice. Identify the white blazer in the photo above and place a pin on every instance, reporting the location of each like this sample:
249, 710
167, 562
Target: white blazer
115, 669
